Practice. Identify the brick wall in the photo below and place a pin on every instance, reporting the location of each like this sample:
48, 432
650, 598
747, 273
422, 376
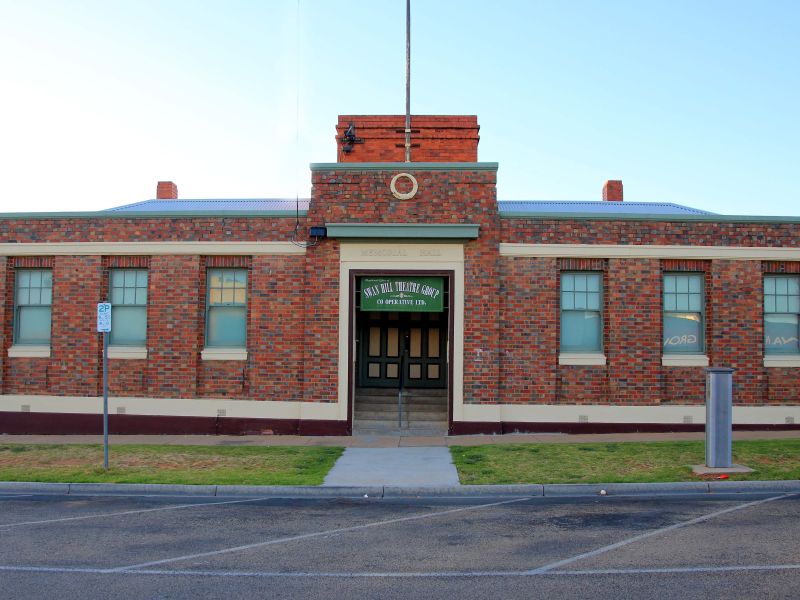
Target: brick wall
632, 326
174, 326
434, 138
511, 304
529, 330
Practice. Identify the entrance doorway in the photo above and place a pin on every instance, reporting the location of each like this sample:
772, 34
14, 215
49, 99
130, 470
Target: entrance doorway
402, 369
403, 350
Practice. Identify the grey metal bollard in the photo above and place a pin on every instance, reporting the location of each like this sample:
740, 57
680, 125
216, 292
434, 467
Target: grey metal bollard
719, 417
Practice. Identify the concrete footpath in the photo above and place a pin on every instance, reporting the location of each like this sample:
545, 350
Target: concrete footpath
386, 441
397, 466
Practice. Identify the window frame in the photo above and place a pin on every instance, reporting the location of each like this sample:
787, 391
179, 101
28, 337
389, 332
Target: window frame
111, 271
599, 349
702, 312
19, 307
779, 276
210, 306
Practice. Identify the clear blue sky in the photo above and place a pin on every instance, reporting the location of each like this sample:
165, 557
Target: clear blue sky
690, 102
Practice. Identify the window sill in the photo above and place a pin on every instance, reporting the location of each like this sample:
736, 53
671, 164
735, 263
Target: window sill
223, 354
684, 360
127, 352
582, 358
22, 351
782, 361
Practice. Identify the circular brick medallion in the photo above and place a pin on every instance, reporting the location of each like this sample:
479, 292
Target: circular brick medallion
407, 195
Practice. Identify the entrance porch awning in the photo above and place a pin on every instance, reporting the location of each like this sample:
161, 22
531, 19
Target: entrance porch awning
432, 231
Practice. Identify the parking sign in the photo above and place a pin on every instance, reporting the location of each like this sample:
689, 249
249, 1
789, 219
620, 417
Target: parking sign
103, 317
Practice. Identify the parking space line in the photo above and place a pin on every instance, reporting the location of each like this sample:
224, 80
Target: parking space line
396, 575
315, 534
561, 563
127, 512
656, 570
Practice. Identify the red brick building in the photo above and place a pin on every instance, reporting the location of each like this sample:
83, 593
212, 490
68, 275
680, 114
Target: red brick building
397, 283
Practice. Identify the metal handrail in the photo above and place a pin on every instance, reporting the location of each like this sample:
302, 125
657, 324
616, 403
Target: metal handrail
400, 393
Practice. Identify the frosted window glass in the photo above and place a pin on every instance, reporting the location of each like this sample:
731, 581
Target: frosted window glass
226, 326
34, 325
781, 334
580, 331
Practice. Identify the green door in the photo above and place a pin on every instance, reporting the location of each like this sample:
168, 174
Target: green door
408, 345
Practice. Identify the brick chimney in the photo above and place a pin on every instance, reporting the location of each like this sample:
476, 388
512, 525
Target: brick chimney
166, 190
381, 138
612, 190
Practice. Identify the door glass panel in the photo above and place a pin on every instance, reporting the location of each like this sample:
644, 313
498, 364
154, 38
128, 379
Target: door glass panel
374, 342
393, 342
415, 351
433, 343
374, 370
391, 370
415, 371
433, 371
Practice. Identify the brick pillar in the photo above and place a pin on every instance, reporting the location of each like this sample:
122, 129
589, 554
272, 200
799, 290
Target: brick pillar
737, 331
529, 330
174, 326
633, 326
75, 345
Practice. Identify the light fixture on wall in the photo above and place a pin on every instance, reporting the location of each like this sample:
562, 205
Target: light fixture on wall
318, 233
349, 139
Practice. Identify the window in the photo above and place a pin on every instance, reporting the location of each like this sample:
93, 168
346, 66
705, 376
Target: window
781, 310
226, 312
581, 325
32, 306
683, 313
128, 307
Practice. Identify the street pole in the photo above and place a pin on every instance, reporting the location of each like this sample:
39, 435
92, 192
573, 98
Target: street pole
105, 400
104, 327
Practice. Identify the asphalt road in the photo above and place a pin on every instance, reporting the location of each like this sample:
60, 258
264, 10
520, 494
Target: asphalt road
747, 546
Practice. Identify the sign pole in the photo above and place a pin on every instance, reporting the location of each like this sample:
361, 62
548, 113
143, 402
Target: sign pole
104, 327
105, 400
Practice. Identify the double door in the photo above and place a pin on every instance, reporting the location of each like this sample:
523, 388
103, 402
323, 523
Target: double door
408, 349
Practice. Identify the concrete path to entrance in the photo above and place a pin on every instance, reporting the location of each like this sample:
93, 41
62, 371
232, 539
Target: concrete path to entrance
419, 467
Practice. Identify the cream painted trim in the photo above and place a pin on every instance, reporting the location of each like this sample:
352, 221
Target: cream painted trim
179, 407
582, 358
684, 360
394, 257
127, 352
647, 251
150, 248
591, 413
223, 354
29, 351
782, 361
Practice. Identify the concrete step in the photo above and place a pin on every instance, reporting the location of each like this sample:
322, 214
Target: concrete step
424, 412
368, 428
413, 412
418, 399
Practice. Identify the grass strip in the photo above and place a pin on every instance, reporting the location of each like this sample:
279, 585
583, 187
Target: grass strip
629, 462
194, 465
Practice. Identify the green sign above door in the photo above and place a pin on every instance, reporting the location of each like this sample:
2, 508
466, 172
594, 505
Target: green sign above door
402, 294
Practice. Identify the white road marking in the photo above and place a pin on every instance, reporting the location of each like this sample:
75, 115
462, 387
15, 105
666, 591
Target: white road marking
620, 544
396, 575
315, 534
126, 512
